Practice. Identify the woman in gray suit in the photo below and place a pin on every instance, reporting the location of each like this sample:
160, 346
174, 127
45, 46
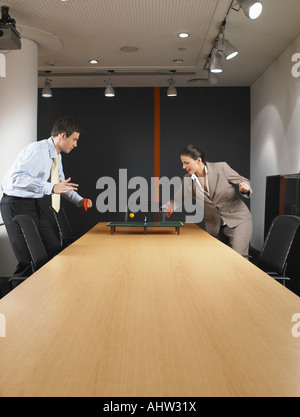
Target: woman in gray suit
224, 211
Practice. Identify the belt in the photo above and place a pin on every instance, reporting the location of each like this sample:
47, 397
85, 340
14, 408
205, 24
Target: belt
18, 198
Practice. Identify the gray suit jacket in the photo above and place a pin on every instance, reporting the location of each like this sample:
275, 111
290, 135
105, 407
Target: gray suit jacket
223, 201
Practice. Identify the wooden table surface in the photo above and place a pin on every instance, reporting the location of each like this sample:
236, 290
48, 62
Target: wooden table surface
149, 315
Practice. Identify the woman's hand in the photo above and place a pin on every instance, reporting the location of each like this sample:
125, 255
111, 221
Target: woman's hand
168, 211
244, 187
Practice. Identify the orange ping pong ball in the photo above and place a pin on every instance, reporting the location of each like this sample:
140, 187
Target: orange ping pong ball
131, 215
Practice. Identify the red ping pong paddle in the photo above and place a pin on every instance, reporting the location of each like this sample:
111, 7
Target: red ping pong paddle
85, 204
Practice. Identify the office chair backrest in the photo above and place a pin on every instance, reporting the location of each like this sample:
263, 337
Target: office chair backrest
63, 225
33, 240
278, 242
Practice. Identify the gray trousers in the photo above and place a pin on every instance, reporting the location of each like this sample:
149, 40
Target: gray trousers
240, 237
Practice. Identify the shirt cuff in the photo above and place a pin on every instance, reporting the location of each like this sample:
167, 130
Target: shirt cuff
48, 187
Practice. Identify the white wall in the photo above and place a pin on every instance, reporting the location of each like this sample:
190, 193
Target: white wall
275, 130
18, 123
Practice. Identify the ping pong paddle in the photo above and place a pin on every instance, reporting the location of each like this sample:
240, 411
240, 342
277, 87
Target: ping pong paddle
85, 204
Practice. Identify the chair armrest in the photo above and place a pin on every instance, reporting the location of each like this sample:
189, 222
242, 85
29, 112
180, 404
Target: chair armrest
15, 281
281, 278
276, 276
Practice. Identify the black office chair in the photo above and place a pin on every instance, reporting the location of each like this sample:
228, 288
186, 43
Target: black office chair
34, 244
65, 232
276, 248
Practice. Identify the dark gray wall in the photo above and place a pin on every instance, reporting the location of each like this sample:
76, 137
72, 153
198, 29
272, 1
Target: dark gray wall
216, 119
119, 133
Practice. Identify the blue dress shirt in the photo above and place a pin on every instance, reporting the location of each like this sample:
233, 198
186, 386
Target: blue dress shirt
28, 177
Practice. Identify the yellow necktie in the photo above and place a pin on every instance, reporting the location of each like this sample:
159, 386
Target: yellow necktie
55, 180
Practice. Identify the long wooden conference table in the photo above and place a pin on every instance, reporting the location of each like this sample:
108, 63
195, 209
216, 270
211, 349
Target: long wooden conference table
156, 315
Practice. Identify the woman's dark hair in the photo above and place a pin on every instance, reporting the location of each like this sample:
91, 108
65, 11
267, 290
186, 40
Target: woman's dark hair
194, 152
65, 125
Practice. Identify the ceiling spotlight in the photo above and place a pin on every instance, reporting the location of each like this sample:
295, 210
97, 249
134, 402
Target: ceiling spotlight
216, 66
229, 50
93, 61
109, 91
46, 92
178, 61
251, 8
172, 92
183, 35
213, 79
224, 45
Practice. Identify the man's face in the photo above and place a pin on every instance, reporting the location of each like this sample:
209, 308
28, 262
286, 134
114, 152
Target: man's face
68, 143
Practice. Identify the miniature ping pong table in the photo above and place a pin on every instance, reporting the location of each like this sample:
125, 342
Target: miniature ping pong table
145, 224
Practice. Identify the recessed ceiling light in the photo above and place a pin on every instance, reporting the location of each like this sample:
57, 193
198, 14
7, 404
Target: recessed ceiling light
129, 49
183, 35
198, 81
93, 61
178, 61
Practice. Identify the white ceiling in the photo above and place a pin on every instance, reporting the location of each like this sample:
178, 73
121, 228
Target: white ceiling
70, 33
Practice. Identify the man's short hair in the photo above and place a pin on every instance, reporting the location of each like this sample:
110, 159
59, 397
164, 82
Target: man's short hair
65, 125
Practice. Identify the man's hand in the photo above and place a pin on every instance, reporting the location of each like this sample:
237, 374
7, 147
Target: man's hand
89, 203
244, 187
168, 211
64, 187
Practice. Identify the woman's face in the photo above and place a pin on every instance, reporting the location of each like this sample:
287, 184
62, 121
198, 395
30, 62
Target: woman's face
191, 165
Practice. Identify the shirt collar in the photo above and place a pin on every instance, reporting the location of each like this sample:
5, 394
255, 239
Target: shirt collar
52, 150
194, 176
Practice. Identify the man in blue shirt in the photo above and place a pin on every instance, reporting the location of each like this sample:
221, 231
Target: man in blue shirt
27, 182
